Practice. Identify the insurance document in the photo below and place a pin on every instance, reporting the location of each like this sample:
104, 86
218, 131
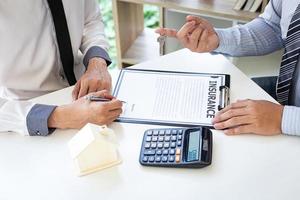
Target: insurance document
170, 98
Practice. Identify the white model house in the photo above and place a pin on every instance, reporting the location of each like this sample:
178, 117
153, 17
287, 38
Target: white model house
94, 148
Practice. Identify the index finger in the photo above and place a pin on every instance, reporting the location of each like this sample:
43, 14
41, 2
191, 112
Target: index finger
198, 20
166, 32
84, 88
186, 28
114, 104
104, 94
238, 104
75, 91
189, 18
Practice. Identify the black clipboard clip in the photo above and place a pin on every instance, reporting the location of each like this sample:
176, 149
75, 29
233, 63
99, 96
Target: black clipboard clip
224, 97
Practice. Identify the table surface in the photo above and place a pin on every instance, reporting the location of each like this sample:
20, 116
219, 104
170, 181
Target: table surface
243, 167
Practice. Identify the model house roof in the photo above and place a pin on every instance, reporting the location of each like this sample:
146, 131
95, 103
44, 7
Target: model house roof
86, 136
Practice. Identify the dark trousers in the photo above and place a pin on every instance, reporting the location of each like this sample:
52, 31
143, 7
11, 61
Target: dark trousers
268, 84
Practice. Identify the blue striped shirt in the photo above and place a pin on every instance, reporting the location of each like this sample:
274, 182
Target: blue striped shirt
264, 35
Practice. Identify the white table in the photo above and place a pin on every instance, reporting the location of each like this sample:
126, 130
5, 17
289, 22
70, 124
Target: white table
243, 167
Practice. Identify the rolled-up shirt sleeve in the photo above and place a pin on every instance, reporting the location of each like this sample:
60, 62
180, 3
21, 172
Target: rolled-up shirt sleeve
98, 52
37, 120
290, 120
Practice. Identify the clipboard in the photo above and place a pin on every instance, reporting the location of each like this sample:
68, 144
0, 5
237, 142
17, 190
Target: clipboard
142, 90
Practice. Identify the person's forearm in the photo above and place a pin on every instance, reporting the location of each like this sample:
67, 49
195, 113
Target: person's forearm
252, 39
97, 63
82, 111
63, 118
57, 118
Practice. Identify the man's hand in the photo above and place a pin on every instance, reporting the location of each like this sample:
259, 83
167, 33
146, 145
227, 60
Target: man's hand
197, 34
96, 78
83, 111
250, 116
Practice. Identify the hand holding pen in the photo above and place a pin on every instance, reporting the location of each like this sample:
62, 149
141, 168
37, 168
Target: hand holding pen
104, 102
99, 108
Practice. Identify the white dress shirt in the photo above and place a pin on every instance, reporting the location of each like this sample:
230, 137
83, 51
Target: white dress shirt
30, 63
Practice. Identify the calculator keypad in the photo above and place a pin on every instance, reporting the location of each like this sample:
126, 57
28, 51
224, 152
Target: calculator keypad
162, 146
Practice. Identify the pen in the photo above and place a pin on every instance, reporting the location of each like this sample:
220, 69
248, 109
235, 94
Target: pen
100, 99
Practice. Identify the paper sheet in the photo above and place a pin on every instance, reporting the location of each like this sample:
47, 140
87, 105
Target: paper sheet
169, 97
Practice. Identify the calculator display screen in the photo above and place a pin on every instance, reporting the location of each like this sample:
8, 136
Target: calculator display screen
193, 147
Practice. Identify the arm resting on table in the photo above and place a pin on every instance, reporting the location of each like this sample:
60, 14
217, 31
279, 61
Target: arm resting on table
25, 118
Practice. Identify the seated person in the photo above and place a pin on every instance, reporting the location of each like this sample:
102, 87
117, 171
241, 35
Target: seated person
276, 28
31, 65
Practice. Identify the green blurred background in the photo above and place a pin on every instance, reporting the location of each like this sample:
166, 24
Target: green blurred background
151, 15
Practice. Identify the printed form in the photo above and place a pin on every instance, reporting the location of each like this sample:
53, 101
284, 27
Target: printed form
177, 98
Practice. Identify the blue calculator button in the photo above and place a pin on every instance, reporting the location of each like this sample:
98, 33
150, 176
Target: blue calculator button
166, 152
172, 151
166, 145
168, 132
161, 139
165, 158
158, 152
151, 159
173, 144
174, 132
174, 138
149, 152
153, 145
147, 145
179, 137
148, 139
167, 138
180, 132
149, 133
145, 159
179, 143
171, 159
162, 132
154, 139
160, 145
155, 132
158, 159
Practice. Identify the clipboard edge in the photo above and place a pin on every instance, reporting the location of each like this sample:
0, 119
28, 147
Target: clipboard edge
136, 121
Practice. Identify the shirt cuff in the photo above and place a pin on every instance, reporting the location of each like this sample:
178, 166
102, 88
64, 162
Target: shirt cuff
225, 41
37, 120
290, 120
98, 52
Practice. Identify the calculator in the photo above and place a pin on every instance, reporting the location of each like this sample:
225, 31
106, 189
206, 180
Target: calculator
177, 147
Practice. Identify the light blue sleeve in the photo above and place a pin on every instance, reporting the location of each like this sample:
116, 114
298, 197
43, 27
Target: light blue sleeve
258, 37
291, 120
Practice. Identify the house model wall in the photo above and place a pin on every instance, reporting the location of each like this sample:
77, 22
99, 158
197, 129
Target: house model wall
94, 148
